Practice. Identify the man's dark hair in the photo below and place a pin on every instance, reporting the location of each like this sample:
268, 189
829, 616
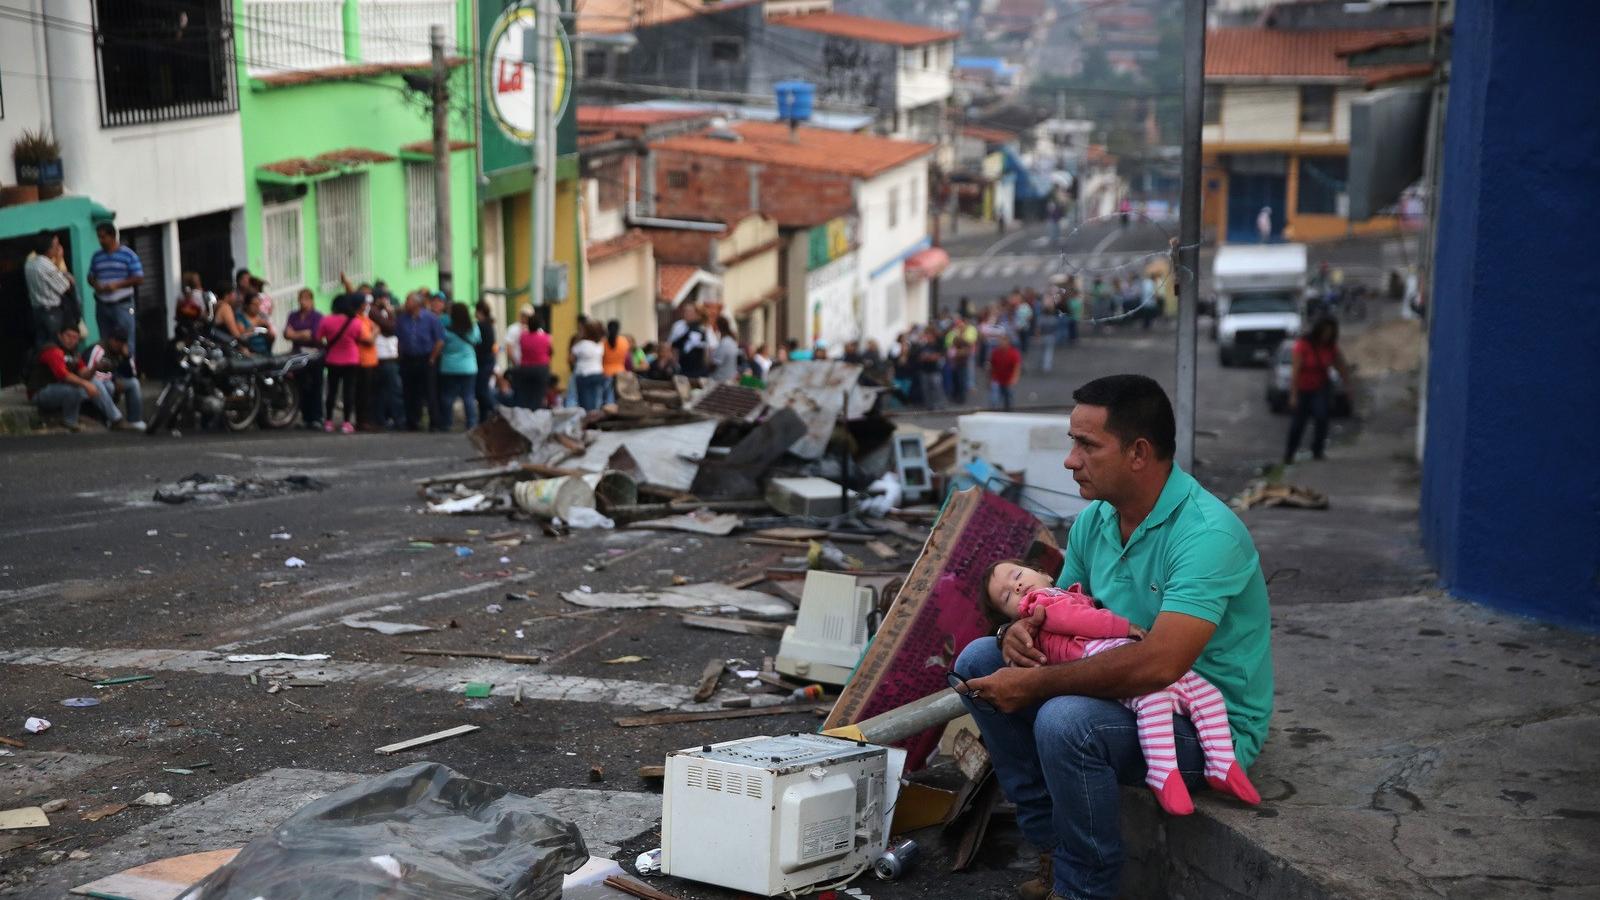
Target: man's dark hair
106, 228
1136, 407
43, 241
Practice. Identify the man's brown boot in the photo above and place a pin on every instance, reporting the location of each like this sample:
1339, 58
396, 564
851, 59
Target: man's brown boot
1041, 886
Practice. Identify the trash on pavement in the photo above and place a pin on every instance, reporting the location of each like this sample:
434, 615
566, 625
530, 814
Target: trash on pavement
389, 628
423, 831
435, 737
692, 596
625, 660
463, 552
648, 862
125, 679
221, 488
475, 654
896, 860
268, 657
552, 498
701, 521
818, 391
294, 562
882, 495
585, 517
472, 503
736, 626
36, 725
100, 812
668, 455
81, 702
23, 817
814, 497
477, 690
153, 799
736, 475
825, 555
53, 806
1260, 493
281, 536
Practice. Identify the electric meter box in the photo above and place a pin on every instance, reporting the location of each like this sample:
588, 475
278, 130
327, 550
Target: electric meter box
774, 814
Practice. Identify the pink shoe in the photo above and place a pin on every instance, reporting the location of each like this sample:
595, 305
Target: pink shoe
328, 426
1236, 784
1173, 795
347, 428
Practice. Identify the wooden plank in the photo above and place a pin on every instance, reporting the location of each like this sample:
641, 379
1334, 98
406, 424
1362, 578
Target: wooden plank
163, 879
652, 771
673, 718
13, 742
24, 817
736, 626
883, 550
427, 739
475, 654
775, 542
708, 680
934, 615
636, 888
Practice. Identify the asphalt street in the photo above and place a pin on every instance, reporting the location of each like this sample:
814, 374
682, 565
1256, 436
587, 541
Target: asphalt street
99, 580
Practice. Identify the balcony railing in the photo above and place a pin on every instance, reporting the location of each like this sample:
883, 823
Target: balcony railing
290, 35
397, 30
163, 61
297, 35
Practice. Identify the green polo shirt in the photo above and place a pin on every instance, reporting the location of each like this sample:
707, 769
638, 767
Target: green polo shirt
1191, 555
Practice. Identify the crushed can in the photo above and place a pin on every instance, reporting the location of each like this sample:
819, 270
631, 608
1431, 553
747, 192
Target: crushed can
896, 860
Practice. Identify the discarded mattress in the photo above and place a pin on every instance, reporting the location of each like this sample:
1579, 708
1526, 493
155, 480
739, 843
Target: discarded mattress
421, 832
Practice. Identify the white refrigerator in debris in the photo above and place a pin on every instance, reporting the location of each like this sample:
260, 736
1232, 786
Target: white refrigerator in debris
1033, 446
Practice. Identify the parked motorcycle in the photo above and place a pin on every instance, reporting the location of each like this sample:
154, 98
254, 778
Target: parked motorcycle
217, 380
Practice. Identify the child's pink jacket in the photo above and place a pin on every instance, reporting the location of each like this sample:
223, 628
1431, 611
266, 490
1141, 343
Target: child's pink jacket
1071, 620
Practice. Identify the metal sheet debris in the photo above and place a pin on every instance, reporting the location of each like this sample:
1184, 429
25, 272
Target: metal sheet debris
668, 456
698, 522
268, 657
205, 488
389, 628
690, 596
816, 390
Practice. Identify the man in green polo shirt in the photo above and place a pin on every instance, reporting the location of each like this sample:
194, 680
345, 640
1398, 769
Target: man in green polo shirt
1159, 550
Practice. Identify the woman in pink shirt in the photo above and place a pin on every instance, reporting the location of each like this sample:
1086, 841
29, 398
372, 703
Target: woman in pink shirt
338, 332
530, 378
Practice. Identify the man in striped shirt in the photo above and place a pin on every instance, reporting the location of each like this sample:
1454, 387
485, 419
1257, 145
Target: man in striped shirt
114, 271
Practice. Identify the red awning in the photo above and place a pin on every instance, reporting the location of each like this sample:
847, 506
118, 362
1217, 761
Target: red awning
927, 264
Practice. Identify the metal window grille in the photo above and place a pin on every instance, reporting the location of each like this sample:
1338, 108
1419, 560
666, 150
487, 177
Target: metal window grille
163, 60
283, 259
291, 35
420, 237
894, 207
397, 30
343, 241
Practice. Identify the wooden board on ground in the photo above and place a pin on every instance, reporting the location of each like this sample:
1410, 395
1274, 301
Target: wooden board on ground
24, 817
708, 680
672, 718
736, 626
427, 739
937, 612
164, 879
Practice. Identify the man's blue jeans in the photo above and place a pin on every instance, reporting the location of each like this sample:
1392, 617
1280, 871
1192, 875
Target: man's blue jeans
68, 397
1061, 763
111, 315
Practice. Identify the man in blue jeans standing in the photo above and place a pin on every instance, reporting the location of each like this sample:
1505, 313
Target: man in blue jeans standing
114, 271
1159, 550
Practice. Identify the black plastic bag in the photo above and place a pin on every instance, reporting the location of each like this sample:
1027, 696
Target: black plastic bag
425, 831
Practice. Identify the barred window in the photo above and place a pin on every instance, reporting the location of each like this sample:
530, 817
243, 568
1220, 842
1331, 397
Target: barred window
343, 235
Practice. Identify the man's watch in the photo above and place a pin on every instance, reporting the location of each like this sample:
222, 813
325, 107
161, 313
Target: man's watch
1000, 633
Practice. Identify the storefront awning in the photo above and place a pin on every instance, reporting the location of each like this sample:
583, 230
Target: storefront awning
926, 264
301, 170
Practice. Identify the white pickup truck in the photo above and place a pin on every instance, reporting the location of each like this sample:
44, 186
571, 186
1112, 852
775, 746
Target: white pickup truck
1258, 289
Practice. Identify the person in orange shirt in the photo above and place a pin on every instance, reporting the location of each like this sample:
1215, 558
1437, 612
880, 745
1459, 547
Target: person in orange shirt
614, 353
367, 375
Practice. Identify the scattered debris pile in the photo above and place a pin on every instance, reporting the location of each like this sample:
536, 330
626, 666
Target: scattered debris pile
203, 488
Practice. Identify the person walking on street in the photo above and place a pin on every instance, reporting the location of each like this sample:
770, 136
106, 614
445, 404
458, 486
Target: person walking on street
1005, 367
530, 380
588, 370
114, 271
458, 368
367, 368
60, 381
111, 361
421, 339
487, 353
301, 330
391, 394
51, 293
1311, 386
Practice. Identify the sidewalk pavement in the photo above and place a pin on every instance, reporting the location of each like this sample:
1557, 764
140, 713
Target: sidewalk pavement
1420, 746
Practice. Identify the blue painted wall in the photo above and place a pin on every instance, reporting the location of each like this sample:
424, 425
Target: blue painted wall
1511, 471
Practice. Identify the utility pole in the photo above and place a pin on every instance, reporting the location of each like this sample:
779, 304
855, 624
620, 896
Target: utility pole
441, 161
541, 201
1188, 251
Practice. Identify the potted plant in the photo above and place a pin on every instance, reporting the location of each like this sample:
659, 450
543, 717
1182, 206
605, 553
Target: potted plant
38, 160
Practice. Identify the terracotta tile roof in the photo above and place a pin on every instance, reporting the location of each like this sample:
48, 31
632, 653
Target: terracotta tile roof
426, 147
861, 28
671, 278
611, 116
615, 16
1378, 40
298, 166
1265, 52
347, 73
622, 243
588, 139
354, 156
818, 149
989, 135
1390, 74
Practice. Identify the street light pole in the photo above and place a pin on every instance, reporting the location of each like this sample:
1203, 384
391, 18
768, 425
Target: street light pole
536, 53
1188, 250
441, 161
